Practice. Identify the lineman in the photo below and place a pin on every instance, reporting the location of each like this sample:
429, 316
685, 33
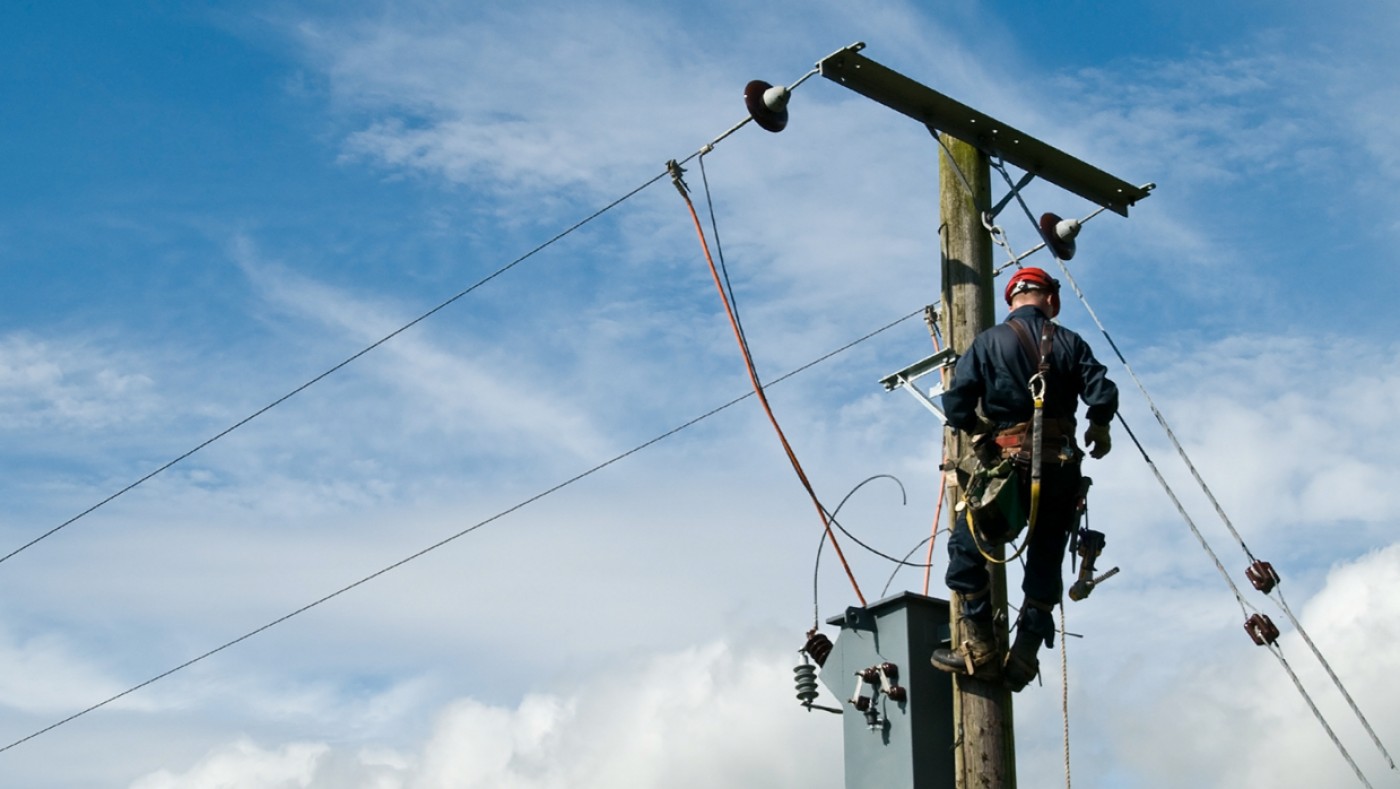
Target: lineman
998, 373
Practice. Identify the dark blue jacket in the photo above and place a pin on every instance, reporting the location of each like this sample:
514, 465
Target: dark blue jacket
997, 369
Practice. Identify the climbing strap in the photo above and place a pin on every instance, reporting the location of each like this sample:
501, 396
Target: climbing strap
1037, 389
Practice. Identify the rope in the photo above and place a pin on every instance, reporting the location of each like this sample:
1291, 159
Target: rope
684, 191
1064, 686
462, 533
1181, 451
972, 529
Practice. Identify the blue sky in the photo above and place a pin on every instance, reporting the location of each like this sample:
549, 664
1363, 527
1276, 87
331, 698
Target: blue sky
206, 205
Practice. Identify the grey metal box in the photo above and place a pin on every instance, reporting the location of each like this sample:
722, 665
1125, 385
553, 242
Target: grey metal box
912, 745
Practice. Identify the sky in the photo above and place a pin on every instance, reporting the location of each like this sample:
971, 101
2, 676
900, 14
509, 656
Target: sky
206, 206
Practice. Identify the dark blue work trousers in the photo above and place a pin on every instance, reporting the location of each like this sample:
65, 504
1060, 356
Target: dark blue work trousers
967, 569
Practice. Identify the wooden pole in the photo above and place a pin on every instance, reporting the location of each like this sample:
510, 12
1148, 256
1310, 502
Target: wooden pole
985, 754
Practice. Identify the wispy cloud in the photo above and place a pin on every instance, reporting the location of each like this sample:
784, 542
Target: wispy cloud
71, 381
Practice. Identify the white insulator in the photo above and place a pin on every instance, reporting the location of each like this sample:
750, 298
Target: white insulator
776, 98
1067, 229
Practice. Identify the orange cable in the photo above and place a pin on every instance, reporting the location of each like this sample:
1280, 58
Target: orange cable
942, 489
758, 388
933, 537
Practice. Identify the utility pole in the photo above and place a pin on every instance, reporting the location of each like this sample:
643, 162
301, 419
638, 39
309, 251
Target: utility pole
983, 739
984, 750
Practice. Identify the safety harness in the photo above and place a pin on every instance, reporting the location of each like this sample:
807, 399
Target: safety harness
1037, 385
991, 482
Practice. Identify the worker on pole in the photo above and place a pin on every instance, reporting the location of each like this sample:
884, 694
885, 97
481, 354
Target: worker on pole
1015, 392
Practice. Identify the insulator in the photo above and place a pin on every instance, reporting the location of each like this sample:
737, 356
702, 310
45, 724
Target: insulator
897, 694
890, 670
870, 675
818, 647
1262, 575
767, 104
1261, 629
806, 678
1059, 234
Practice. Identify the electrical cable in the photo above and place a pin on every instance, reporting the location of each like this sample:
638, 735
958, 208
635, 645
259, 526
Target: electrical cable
821, 543
453, 537
1273, 647
684, 191
905, 563
719, 251
706, 148
317, 379
930, 317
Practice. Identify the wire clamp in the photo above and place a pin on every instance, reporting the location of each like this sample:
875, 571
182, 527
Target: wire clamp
677, 172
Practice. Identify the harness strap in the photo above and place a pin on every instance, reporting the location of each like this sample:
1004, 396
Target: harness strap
1037, 386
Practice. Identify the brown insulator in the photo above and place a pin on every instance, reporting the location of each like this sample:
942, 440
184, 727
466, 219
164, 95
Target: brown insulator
818, 647
1262, 575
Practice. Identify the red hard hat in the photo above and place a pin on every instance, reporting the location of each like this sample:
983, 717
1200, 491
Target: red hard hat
1032, 278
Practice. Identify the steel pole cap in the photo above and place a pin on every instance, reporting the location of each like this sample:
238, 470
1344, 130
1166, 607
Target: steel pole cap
767, 104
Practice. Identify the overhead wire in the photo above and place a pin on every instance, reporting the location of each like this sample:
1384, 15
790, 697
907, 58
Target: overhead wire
821, 543
706, 148
420, 553
337, 367
1245, 607
1273, 646
759, 391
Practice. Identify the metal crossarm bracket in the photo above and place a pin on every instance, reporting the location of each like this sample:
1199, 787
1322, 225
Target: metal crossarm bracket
904, 379
981, 131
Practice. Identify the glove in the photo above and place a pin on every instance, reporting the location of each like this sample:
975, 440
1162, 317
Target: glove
1097, 440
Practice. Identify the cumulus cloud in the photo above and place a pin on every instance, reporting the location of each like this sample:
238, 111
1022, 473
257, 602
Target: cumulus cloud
707, 716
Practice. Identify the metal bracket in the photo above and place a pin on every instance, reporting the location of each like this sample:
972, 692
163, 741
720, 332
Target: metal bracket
987, 134
904, 379
858, 619
1015, 190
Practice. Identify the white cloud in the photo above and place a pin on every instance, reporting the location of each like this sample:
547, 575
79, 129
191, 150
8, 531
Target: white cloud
706, 716
831, 230
244, 764
75, 381
47, 675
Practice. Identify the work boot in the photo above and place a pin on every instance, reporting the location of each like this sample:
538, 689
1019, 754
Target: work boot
1022, 666
976, 656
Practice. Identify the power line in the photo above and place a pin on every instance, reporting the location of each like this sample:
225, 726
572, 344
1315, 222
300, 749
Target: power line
462, 533
1272, 644
336, 368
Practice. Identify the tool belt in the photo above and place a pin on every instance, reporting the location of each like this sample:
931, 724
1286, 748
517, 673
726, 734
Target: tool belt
1015, 442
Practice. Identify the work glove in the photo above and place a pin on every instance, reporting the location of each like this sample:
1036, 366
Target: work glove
1097, 440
